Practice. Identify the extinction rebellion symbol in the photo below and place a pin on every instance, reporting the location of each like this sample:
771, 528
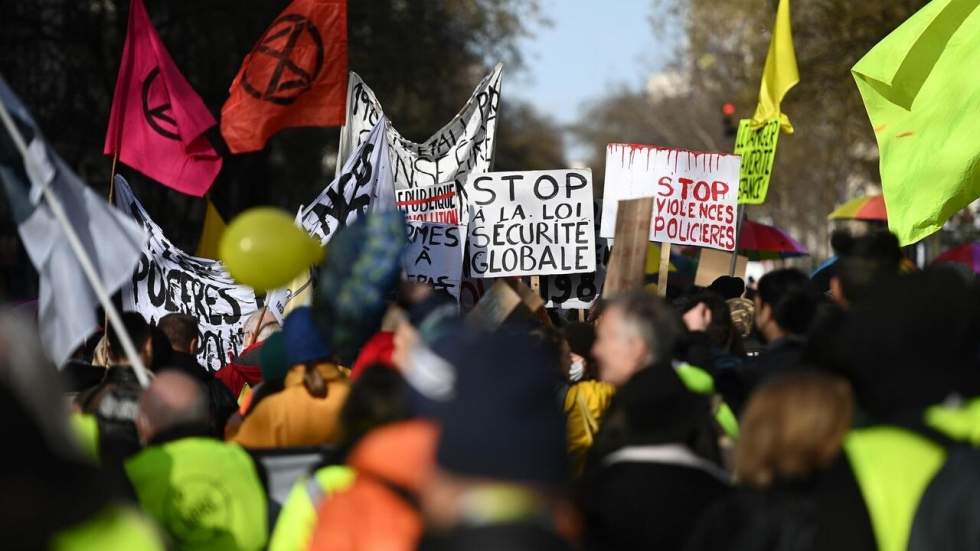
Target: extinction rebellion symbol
272, 73
159, 117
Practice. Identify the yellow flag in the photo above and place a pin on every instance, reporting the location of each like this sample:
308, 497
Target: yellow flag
214, 226
780, 73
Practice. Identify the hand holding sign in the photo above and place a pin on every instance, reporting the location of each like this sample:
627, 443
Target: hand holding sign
263, 249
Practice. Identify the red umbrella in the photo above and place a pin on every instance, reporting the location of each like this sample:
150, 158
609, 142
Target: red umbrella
762, 242
968, 254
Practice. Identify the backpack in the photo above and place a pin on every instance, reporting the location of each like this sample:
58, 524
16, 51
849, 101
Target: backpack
946, 516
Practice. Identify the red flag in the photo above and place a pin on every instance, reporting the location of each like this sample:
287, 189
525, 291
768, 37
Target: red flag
157, 122
295, 76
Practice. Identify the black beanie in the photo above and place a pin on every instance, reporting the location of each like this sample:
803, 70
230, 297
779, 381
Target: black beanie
504, 422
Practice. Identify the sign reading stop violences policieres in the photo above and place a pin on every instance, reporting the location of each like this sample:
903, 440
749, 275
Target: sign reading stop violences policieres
757, 147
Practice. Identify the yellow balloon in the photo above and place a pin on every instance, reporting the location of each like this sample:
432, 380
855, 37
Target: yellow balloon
263, 248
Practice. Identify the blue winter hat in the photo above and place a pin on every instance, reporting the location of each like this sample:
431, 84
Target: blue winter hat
303, 340
503, 422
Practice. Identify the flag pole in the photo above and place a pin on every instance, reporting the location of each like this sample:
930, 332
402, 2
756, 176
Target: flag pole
112, 175
93, 278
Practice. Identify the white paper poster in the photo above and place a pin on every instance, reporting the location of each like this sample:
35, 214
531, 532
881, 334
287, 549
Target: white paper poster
695, 194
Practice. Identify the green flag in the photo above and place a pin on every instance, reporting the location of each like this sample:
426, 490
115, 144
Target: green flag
922, 93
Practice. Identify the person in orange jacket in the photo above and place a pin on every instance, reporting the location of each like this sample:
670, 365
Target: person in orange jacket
380, 510
306, 411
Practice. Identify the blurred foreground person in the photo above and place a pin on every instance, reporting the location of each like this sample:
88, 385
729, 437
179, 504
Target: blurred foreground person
378, 397
306, 411
910, 350
206, 494
182, 334
380, 510
799, 494
501, 463
654, 467
115, 401
55, 499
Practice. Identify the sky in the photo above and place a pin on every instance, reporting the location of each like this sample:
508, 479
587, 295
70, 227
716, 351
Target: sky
591, 48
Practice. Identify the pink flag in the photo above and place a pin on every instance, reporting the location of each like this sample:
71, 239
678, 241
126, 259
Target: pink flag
157, 122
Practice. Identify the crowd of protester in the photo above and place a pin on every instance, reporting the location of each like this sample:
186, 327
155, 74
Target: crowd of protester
786, 416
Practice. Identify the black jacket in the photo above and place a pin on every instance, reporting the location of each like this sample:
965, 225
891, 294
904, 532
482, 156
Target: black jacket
115, 404
824, 511
496, 537
781, 356
650, 475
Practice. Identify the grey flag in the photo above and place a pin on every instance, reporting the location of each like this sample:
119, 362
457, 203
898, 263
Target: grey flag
67, 305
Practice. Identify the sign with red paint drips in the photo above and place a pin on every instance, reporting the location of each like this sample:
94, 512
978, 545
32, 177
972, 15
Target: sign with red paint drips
695, 194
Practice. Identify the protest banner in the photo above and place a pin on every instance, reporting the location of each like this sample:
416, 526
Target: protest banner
439, 203
694, 193
531, 223
628, 262
578, 291
435, 255
361, 184
364, 178
757, 147
459, 149
713, 264
168, 280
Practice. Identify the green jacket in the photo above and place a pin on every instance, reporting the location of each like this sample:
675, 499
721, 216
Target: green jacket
296, 522
113, 528
205, 493
893, 467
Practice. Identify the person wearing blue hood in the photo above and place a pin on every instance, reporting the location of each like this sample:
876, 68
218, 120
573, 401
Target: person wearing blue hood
306, 411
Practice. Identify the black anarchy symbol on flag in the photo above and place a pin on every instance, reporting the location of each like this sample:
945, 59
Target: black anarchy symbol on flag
160, 118
288, 78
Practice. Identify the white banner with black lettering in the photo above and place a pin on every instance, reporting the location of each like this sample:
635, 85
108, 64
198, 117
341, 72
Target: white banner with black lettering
578, 291
462, 147
531, 223
362, 184
435, 255
168, 280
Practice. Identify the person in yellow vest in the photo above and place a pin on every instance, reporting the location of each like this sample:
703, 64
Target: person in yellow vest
910, 350
306, 411
205, 493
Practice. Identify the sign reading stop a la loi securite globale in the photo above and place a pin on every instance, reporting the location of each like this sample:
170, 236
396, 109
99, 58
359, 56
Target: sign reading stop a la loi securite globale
695, 194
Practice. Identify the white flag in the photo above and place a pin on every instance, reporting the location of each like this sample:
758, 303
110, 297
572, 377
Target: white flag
67, 303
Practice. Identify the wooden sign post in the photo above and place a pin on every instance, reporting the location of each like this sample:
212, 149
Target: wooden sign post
628, 260
664, 270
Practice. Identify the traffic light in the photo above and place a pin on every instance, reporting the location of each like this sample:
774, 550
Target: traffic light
728, 122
